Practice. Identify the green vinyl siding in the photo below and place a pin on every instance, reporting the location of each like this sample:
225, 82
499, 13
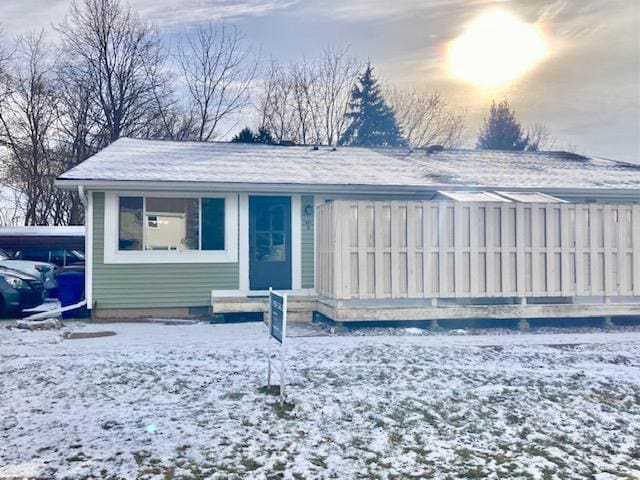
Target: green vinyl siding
307, 242
149, 285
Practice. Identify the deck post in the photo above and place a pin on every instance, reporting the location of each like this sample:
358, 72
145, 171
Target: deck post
607, 323
523, 325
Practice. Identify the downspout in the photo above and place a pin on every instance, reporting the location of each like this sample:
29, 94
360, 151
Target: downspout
83, 198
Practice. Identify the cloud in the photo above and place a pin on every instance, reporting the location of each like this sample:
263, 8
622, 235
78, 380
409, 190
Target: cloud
171, 13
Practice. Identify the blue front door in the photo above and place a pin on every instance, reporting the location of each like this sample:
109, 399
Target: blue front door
269, 242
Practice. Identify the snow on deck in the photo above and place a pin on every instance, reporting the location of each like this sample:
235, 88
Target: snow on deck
160, 401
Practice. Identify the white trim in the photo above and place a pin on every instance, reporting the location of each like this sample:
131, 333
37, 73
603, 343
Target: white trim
114, 256
296, 242
244, 242
296, 246
88, 250
328, 189
317, 202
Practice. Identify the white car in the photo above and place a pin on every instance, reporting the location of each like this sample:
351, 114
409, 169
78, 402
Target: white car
42, 270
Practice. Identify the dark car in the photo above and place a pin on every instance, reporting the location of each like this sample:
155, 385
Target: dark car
19, 291
65, 259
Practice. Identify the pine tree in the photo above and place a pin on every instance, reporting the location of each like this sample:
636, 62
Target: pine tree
264, 136
502, 131
244, 136
373, 122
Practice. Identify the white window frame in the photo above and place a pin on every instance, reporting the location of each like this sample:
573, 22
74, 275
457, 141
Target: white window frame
112, 255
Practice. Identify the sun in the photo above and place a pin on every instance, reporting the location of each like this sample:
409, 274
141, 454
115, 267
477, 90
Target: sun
496, 49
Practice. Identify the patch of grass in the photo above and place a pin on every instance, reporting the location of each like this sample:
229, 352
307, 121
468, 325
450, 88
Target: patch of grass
283, 409
475, 472
464, 454
249, 464
78, 457
238, 395
319, 461
270, 390
140, 456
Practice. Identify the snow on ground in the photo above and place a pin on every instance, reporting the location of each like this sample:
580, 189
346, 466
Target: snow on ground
158, 401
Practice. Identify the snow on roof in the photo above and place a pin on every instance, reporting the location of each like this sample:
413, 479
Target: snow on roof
59, 231
167, 161
531, 197
473, 196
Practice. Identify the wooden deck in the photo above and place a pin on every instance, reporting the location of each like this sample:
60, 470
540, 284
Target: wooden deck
400, 310
301, 309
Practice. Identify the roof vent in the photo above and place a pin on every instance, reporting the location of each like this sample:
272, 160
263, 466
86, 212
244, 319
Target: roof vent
315, 147
334, 149
287, 143
434, 149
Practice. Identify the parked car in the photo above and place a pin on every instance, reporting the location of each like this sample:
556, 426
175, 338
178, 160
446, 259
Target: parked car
19, 291
64, 259
45, 271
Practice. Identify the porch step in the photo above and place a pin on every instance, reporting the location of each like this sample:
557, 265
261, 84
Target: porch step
299, 309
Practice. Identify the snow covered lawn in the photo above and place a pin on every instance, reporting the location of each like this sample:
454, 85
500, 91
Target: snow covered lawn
157, 401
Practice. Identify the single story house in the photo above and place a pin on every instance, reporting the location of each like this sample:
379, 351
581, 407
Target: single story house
180, 228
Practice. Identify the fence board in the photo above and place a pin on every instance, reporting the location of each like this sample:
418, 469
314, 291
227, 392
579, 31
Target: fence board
590, 250
635, 221
411, 250
505, 263
593, 249
427, 284
443, 249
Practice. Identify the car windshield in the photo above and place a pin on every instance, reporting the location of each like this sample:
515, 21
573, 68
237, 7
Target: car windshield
4, 255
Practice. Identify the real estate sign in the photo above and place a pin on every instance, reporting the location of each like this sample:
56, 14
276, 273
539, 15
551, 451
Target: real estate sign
278, 315
278, 331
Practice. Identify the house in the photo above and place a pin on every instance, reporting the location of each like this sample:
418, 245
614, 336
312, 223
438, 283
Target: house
179, 228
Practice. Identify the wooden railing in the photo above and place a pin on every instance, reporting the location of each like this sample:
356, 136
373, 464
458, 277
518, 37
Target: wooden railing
433, 249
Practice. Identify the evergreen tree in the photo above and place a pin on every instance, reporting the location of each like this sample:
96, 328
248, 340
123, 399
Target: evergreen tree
264, 136
244, 136
373, 122
501, 131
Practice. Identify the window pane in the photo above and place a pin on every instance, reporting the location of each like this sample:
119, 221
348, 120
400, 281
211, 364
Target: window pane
213, 224
130, 223
172, 224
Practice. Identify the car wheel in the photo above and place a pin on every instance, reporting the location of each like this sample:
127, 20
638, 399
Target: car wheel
3, 307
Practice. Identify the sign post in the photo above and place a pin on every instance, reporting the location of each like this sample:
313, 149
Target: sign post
277, 331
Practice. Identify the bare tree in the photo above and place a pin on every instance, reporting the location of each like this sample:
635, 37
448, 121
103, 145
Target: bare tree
540, 138
120, 55
307, 101
337, 73
426, 118
27, 122
218, 70
275, 103
302, 78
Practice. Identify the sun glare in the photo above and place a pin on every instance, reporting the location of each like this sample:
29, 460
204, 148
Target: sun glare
495, 50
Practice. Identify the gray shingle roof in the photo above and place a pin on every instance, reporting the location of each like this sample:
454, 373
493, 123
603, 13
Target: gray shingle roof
166, 161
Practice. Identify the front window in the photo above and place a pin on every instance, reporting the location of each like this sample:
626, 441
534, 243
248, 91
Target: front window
171, 224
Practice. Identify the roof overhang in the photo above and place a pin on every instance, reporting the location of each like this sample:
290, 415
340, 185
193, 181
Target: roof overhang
177, 186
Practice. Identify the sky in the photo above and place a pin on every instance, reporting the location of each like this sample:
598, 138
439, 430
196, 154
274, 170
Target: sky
586, 89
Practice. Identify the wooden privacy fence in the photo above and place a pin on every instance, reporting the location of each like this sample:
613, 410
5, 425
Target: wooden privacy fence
434, 249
